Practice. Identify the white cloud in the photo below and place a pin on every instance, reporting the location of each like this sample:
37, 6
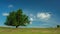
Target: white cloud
10, 6
5, 14
30, 22
43, 16
40, 17
31, 19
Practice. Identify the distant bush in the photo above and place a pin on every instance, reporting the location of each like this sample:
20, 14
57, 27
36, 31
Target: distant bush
58, 26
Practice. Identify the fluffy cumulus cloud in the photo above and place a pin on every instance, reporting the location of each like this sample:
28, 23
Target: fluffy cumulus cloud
31, 19
43, 16
40, 17
30, 22
5, 14
10, 6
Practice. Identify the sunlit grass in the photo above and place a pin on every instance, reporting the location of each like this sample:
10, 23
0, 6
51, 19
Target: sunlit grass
4, 30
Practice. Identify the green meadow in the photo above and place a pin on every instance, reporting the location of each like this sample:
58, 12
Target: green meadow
4, 30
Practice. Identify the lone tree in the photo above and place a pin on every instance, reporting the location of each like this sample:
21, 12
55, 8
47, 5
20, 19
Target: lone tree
17, 18
58, 26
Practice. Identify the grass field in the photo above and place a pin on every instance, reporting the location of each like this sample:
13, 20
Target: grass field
4, 30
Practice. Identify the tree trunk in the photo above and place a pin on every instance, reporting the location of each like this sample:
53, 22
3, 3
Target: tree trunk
16, 26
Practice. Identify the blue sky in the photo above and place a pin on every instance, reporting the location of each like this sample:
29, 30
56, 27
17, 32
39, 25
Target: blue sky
42, 13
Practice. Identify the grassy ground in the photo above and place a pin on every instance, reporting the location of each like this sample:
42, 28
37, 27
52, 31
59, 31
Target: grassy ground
4, 30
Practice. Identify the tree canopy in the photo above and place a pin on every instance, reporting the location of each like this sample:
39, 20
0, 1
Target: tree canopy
58, 26
17, 18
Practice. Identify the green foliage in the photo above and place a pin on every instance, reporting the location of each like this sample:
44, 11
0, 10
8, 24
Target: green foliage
58, 26
17, 18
